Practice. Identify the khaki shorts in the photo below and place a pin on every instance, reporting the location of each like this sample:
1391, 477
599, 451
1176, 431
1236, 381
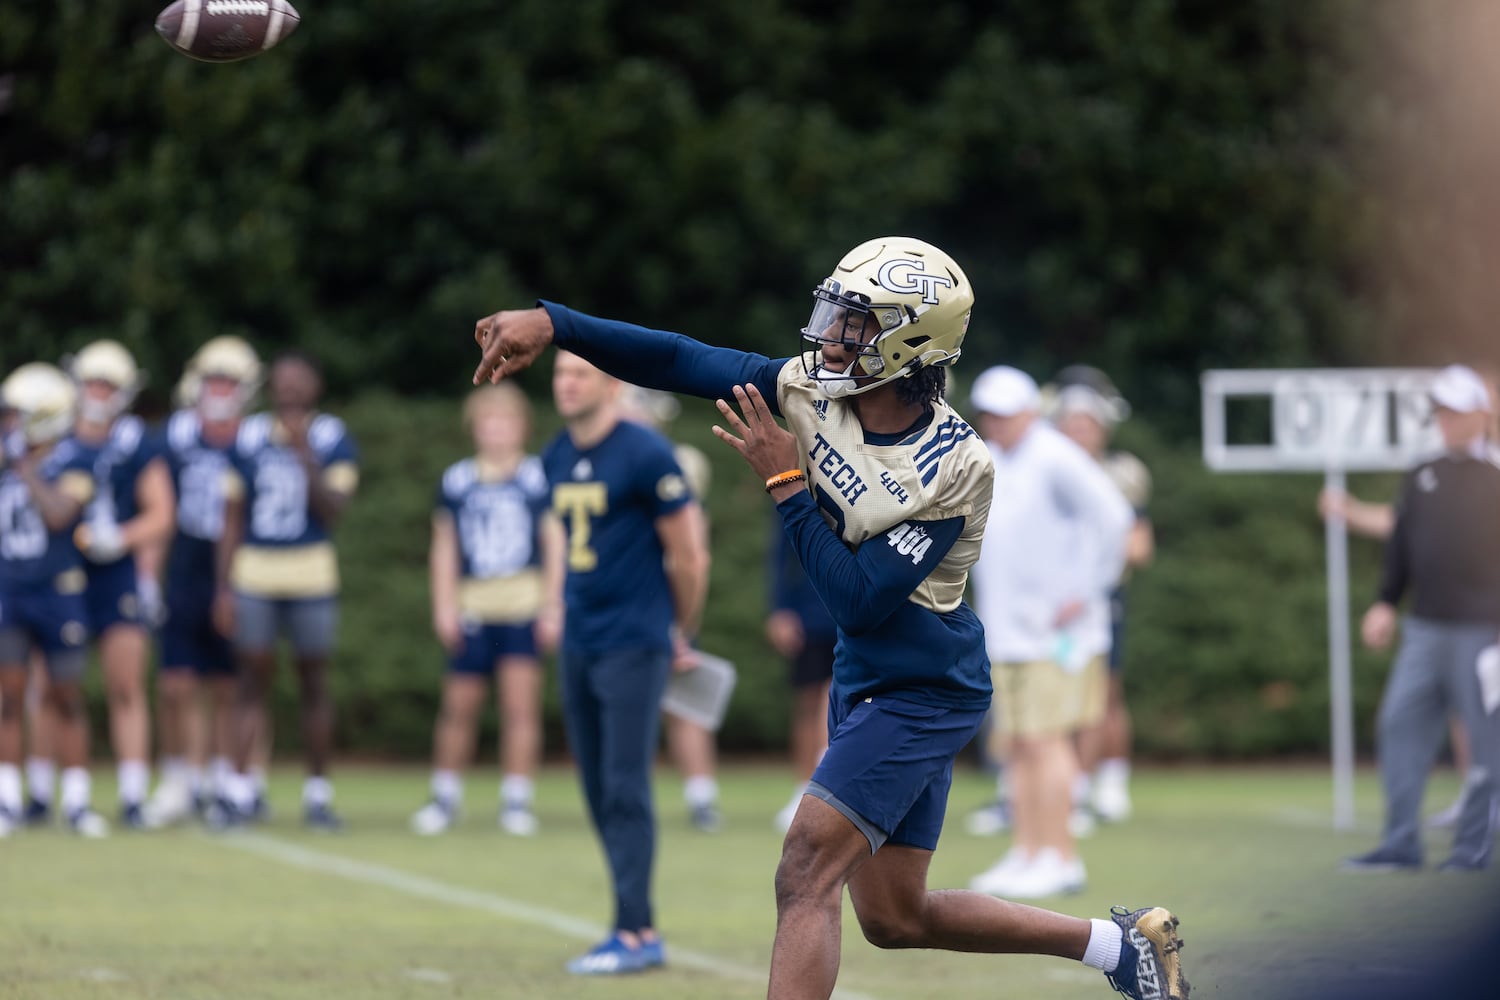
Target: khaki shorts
1040, 698
1095, 684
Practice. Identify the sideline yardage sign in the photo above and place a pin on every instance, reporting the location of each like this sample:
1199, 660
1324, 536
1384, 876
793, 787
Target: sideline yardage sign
1352, 419
1333, 421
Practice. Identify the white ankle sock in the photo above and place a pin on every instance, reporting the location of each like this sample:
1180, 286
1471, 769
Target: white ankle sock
133, 779
10, 788
516, 790
700, 790
1103, 951
317, 792
75, 790
447, 787
40, 773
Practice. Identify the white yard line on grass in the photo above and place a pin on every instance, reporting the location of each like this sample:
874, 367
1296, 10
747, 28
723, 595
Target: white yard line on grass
396, 880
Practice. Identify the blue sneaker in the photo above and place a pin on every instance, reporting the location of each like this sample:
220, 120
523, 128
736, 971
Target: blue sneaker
1150, 956
38, 813
613, 957
132, 817
655, 953
321, 818
260, 809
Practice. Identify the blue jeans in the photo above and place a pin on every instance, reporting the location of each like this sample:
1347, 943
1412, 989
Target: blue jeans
611, 704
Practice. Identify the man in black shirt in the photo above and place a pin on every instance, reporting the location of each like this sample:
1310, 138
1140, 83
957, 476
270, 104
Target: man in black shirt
1444, 551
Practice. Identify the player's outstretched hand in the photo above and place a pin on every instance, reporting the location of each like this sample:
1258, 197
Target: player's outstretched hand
510, 341
761, 441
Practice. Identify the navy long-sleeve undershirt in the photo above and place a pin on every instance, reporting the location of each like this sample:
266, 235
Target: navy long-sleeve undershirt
657, 359
862, 589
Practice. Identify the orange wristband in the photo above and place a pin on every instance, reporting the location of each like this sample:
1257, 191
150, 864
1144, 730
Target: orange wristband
785, 478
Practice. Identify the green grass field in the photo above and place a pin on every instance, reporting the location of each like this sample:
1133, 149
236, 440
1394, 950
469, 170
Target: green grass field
1246, 857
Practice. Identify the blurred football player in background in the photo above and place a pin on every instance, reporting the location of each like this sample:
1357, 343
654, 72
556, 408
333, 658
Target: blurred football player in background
292, 473
1053, 549
121, 537
637, 572
802, 631
1084, 404
196, 740
692, 746
45, 482
494, 566
884, 492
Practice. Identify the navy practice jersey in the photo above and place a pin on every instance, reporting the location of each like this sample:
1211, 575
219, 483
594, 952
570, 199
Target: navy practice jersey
287, 550
198, 470
498, 522
29, 553
609, 498
118, 465
888, 528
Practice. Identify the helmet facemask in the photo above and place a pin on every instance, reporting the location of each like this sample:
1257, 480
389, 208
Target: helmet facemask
841, 318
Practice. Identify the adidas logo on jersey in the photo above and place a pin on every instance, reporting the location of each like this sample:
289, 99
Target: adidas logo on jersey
820, 407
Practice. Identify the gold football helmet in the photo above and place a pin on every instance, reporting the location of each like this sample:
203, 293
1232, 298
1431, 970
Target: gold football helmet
44, 400
919, 299
225, 356
109, 362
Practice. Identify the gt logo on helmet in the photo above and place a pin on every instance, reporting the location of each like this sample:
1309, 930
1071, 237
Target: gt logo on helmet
903, 275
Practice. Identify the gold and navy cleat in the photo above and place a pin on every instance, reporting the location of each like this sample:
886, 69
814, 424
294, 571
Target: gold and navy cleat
1151, 958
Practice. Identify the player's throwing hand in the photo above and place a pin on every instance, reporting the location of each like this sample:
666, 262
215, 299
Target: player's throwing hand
510, 341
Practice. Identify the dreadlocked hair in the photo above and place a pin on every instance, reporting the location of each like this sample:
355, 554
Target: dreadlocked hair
925, 385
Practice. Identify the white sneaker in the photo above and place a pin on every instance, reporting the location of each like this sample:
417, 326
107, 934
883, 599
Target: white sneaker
432, 819
87, 823
1111, 799
988, 821
8, 823
172, 802
518, 821
783, 820
1001, 873
1046, 874
1081, 822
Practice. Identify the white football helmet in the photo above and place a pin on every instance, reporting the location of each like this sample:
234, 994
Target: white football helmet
917, 295
225, 356
44, 400
105, 361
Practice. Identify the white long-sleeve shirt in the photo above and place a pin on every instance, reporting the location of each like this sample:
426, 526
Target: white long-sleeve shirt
1056, 534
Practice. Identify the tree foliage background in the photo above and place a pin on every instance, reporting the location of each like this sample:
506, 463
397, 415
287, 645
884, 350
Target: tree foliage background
1154, 187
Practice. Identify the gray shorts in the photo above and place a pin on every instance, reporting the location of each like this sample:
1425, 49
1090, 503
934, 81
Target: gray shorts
310, 624
63, 664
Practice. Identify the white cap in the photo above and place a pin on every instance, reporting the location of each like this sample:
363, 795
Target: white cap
1005, 392
1460, 389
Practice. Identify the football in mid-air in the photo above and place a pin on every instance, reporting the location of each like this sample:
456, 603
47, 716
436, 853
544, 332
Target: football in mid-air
226, 30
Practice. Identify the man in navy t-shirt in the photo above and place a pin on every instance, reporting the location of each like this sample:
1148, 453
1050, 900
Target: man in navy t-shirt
636, 573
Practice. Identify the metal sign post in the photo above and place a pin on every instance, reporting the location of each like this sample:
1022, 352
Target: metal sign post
1334, 421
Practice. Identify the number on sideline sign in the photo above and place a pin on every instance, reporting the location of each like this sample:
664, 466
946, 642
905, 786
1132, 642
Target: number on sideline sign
1352, 419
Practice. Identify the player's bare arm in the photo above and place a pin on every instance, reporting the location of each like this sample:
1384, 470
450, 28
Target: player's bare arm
686, 560
510, 341
57, 502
